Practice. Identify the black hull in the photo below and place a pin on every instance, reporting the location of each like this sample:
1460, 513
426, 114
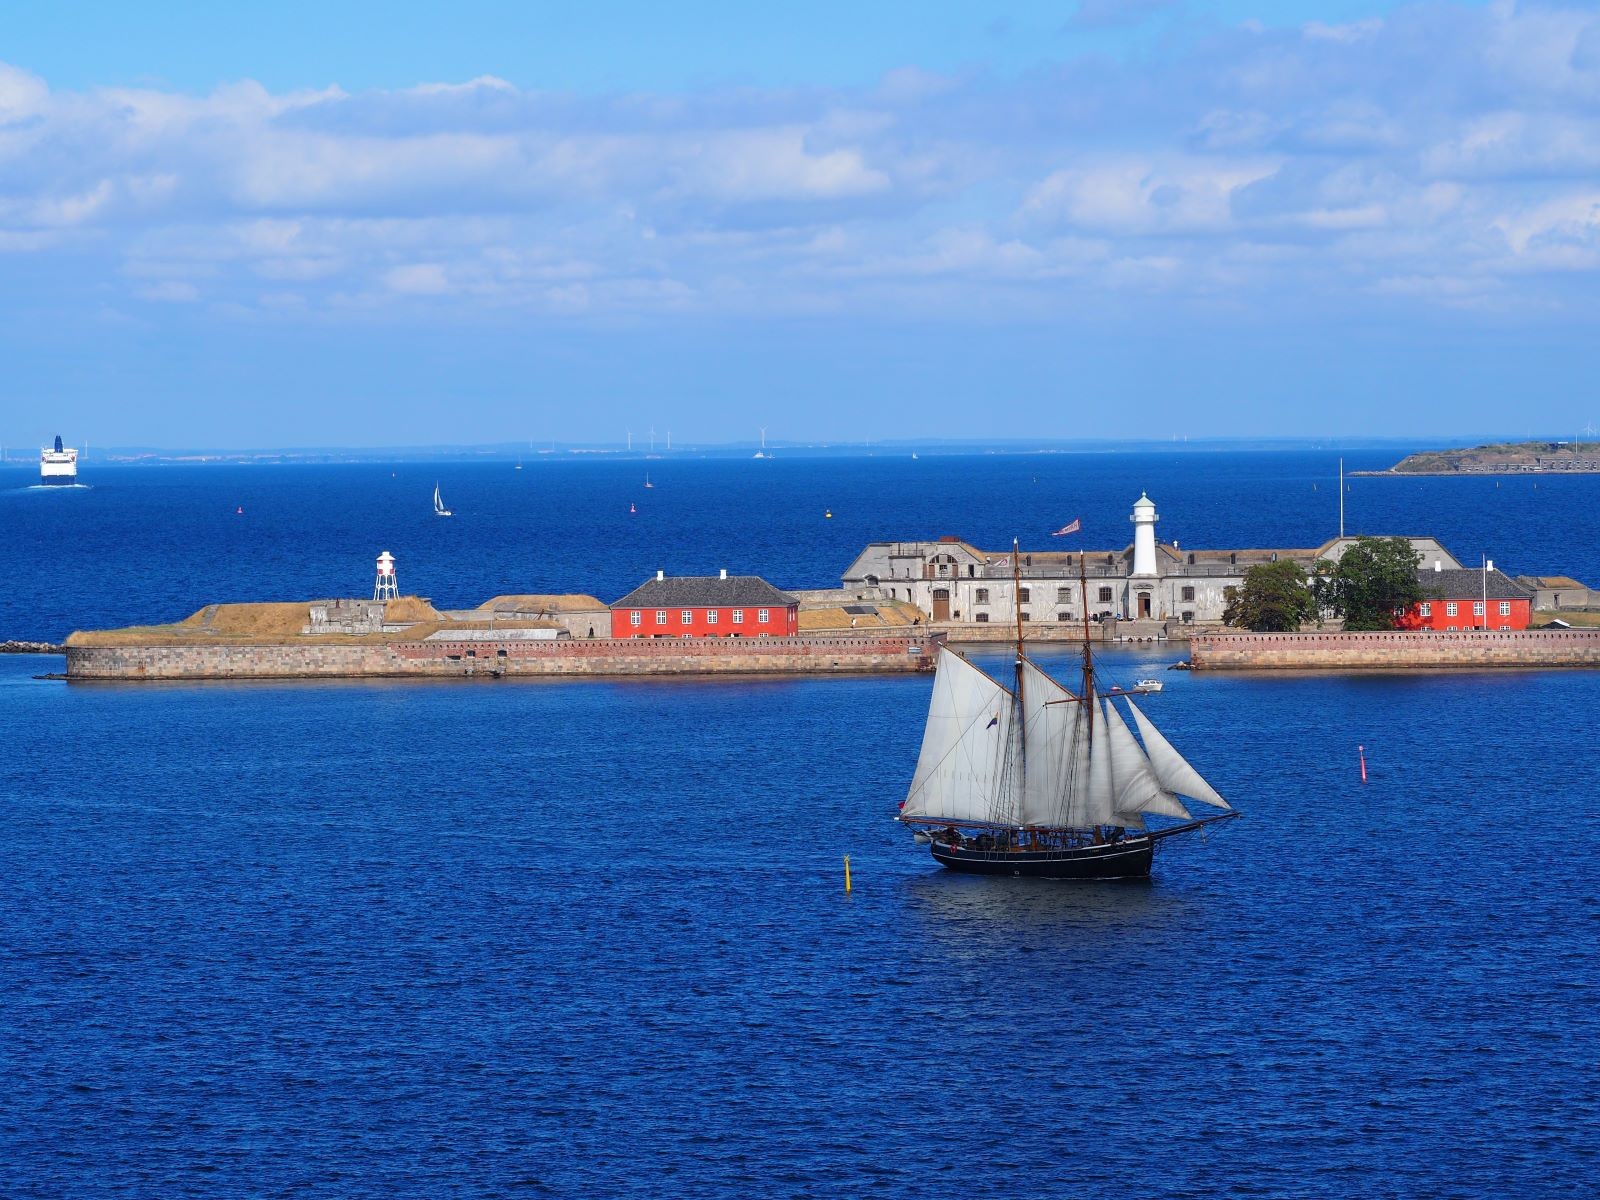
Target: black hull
1127, 859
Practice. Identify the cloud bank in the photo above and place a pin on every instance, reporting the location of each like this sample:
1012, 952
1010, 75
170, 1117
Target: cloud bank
1443, 158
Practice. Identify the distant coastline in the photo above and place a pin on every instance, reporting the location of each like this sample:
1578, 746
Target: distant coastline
1502, 458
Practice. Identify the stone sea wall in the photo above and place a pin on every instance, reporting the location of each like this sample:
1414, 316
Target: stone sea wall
1398, 649
592, 657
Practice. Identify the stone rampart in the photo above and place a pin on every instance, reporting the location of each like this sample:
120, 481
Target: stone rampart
820, 655
1394, 649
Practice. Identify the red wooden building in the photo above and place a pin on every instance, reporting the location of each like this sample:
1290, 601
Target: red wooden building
705, 606
1456, 600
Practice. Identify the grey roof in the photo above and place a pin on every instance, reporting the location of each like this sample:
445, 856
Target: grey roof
706, 591
1468, 585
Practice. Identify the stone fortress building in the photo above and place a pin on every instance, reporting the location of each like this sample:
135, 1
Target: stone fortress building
954, 581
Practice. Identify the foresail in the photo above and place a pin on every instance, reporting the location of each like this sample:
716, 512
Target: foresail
1138, 789
964, 772
1171, 768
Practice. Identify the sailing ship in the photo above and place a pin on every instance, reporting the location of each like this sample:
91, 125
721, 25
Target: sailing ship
647, 482
1037, 780
439, 510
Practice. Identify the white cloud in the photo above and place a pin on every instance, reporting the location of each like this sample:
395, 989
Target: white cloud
169, 291
418, 279
1445, 142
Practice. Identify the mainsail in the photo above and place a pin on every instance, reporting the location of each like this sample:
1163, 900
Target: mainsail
1056, 784
964, 772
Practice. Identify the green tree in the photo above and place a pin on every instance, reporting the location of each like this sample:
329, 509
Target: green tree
1276, 598
1373, 584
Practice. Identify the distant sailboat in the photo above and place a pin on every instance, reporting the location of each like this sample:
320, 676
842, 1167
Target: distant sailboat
647, 482
439, 510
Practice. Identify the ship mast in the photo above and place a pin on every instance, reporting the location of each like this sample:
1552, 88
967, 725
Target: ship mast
1016, 599
1088, 656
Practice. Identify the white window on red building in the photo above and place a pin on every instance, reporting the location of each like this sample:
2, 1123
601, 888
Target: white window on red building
1425, 609
1450, 609
661, 616
635, 617
762, 616
738, 616
711, 616
1505, 609
1477, 608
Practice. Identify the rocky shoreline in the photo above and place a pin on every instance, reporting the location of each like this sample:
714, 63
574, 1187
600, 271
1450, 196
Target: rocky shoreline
31, 648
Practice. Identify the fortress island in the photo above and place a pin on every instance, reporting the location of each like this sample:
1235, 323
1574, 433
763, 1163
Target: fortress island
668, 626
1501, 458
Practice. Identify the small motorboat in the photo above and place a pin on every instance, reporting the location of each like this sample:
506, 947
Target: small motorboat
1147, 685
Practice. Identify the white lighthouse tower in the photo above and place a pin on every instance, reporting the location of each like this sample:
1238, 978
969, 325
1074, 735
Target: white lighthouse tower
386, 588
1141, 599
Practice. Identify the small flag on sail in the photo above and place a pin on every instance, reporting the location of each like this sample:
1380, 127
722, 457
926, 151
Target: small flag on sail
993, 721
1072, 527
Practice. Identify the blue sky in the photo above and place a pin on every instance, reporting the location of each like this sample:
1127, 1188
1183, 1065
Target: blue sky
381, 224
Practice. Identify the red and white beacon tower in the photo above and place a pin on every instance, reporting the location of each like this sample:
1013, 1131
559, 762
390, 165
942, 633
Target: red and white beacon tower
386, 588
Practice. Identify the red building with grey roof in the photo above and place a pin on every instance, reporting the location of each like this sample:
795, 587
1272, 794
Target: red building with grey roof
689, 606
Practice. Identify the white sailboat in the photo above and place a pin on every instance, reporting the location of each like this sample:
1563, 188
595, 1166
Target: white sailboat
1034, 780
439, 510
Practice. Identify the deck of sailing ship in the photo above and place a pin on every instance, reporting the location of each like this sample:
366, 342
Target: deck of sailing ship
1038, 780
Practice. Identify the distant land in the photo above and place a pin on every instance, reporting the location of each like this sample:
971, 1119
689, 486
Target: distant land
23, 454
1501, 458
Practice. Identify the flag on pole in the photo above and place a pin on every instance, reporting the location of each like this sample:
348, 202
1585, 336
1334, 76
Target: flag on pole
1073, 527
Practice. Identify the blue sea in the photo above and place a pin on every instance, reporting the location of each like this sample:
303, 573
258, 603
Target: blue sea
566, 938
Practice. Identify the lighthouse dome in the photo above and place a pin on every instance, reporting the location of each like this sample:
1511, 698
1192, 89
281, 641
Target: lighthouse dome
1143, 505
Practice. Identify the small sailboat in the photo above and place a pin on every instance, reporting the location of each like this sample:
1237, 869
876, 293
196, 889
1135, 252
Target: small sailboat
439, 510
1035, 780
647, 482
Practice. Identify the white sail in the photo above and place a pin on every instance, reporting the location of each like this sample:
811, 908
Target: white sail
964, 771
1054, 768
1101, 798
1171, 768
1138, 789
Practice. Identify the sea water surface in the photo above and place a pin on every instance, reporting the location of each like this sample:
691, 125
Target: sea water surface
521, 937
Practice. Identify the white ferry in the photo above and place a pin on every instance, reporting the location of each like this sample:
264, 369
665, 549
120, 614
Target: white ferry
58, 466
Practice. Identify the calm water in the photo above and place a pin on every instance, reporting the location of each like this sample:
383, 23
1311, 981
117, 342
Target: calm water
559, 938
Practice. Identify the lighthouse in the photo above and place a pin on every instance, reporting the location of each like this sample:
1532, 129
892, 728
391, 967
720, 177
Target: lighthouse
1141, 597
386, 588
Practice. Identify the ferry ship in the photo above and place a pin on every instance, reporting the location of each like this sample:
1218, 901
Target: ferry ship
58, 466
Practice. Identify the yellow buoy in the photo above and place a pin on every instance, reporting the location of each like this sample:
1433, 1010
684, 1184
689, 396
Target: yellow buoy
846, 874
829, 514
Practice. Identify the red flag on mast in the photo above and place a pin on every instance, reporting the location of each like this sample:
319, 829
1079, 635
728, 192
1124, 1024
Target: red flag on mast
1074, 527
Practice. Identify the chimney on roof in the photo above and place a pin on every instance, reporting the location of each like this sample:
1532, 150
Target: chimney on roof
661, 574
1437, 565
1488, 564
723, 574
